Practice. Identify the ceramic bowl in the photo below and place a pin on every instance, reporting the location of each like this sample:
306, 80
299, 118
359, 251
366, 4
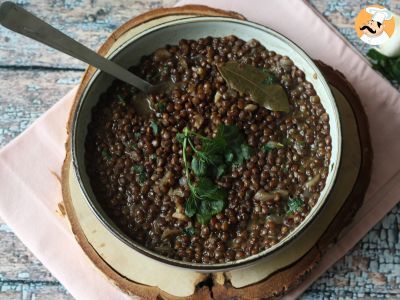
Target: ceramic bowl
127, 52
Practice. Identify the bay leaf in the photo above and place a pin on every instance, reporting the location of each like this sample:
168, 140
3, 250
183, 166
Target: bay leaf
248, 79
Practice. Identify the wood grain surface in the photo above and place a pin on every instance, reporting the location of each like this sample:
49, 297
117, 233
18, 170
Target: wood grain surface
33, 77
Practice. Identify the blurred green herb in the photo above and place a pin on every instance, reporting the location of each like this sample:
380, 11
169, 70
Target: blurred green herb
190, 231
388, 66
121, 100
161, 106
154, 127
106, 155
140, 172
131, 146
271, 77
294, 205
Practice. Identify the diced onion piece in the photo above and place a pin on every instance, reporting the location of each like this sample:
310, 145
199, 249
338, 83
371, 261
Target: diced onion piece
166, 177
180, 213
282, 193
313, 181
217, 97
198, 121
307, 194
182, 181
286, 63
170, 232
262, 195
275, 218
179, 216
175, 192
250, 107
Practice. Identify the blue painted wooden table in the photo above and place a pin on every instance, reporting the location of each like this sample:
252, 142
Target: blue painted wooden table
33, 77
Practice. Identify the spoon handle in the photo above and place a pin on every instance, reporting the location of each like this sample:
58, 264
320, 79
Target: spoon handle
19, 20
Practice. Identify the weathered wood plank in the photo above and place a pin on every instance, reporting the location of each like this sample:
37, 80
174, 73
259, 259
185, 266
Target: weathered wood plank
88, 21
371, 269
35, 290
25, 95
16, 263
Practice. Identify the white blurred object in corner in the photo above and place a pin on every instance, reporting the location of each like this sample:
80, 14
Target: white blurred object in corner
391, 48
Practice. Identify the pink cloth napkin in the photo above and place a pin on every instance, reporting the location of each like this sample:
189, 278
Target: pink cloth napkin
30, 192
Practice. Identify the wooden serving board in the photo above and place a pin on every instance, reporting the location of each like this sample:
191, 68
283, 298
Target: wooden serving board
270, 277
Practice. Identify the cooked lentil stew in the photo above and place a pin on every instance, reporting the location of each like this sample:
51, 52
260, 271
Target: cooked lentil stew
212, 176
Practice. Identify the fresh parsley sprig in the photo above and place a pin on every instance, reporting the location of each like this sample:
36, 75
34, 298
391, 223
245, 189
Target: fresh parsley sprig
388, 66
216, 157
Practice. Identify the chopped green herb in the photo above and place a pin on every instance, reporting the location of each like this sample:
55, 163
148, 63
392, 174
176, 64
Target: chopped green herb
271, 77
154, 127
121, 100
161, 106
153, 157
140, 172
106, 155
271, 145
137, 135
247, 151
180, 137
131, 146
142, 178
294, 205
190, 231
137, 169
229, 156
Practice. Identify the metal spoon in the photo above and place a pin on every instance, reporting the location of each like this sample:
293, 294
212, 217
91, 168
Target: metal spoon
19, 20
